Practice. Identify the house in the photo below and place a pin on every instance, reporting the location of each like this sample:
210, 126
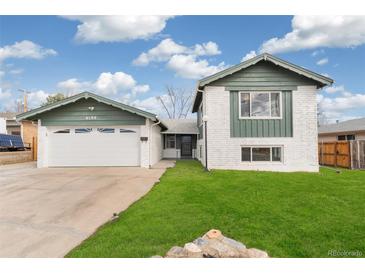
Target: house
342, 131
12, 127
259, 115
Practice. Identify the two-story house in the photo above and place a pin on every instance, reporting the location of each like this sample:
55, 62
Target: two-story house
259, 115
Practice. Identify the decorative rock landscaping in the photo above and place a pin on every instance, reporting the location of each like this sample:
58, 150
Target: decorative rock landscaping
214, 244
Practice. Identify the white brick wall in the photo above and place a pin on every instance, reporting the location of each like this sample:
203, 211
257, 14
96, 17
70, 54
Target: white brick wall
299, 151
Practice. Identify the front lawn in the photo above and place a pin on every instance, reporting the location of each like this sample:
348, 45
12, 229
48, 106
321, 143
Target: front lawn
286, 214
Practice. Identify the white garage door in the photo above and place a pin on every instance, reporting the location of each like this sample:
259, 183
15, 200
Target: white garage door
94, 146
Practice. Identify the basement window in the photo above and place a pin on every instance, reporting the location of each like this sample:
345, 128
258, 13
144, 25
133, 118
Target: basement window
261, 154
83, 130
122, 130
106, 130
67, 130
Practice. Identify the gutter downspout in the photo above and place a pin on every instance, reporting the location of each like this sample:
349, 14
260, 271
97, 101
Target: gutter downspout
205, 135
150, 142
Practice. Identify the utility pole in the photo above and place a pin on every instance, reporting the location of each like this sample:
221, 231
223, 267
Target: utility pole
25, 99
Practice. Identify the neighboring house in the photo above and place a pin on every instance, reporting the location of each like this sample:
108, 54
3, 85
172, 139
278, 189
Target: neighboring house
342, 131
12, 126
259, 115
179, 140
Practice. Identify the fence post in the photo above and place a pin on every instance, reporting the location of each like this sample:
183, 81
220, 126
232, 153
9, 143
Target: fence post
358, 155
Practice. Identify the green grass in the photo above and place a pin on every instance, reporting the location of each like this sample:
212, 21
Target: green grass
286, 214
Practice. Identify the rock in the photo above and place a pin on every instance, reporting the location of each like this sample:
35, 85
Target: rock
176, 252
213, 234
216, 249
193, 251
256, 253
233, 243
156, 256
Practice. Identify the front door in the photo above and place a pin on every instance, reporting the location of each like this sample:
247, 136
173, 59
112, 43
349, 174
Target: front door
186, 146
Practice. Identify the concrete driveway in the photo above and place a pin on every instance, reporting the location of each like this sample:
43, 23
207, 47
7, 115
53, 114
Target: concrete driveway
46, 212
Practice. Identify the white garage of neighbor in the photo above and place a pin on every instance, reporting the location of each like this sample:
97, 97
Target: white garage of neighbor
90, 130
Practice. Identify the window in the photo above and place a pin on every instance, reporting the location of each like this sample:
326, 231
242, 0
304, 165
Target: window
83, 130
170, 141
62, 131
122, 130
346, 137
261, 154
259, 105
106, 130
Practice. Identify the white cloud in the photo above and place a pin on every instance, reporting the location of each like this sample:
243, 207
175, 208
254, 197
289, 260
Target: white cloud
117, 28
187, 66
16, 71
322, 61
249, 55
35, 98
73, 85
336, 108
25, 49
168, 48
335, 89
150, 104
4, 94
107, 83
318, 52
309, 32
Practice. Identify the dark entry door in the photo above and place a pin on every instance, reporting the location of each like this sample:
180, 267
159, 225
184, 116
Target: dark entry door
186, 146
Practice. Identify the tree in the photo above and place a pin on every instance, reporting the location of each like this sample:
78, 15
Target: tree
176, 102
54, 98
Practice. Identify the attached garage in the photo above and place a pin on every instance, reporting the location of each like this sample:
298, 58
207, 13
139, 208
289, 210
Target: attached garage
90, 130
94, 146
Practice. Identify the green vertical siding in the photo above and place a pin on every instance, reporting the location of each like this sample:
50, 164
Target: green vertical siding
78, 113
265, 75
262, 127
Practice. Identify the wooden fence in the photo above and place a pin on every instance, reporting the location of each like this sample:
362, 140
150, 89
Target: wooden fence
346, 154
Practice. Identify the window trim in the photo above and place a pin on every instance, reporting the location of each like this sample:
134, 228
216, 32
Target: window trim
265, 162
260, 117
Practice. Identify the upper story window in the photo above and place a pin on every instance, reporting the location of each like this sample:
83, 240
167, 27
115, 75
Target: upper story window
170, 141
260, 105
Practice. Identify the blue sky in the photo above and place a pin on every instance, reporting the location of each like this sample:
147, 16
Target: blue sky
48, 54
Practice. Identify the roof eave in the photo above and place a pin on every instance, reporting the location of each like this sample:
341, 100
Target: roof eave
85, 95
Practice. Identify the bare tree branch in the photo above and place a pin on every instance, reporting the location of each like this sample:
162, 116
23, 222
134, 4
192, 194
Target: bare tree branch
176, 102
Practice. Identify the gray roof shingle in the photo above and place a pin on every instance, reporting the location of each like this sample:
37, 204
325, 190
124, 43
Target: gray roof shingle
181, 126
346, 126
